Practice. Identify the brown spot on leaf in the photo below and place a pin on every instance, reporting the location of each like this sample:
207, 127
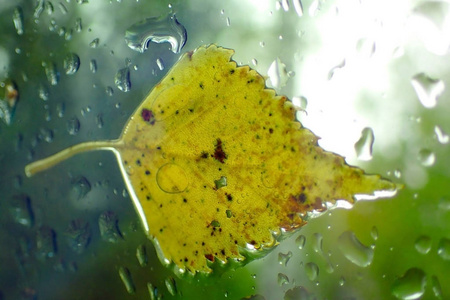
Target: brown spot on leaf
209, 257
148, 116
219, 154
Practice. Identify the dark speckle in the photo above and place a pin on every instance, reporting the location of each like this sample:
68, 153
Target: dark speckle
219, 154
201, 85
147, 172
147, 116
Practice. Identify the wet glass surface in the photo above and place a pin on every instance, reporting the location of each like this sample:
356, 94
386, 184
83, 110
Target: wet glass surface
375, 76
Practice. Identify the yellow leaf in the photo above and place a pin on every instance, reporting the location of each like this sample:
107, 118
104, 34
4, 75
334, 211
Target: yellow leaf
217, 165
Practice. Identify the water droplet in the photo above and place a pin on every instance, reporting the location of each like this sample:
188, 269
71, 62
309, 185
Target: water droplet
397, 173
158, 30
228, 22
141, 254
45, 242
93, 66
127, 280
9, 96
312, 271
278, 74
51, 72
18, 20
410, 286
99, 120
282, 279
109, 227
298, 293
314, 8
60, 109
171, 285
78, 235
298, 7
171, 178
43, 92
336, 68
423, 244
354, 250
342, 281
444, 203
71, 63
73, 126
80, 187
444, 249
78, 25
153, 292
426, 157
427, 89
109, 91
442, 137
122, 80
46, 135
285, 5
39, 8
374, 233
63, 8
300, 102
366, 47
436, 287
160, 64
316, 242
21, 211
254, 62
94, 43
363, 146
283, 259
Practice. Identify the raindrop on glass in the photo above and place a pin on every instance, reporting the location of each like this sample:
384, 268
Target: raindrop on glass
283, 258
160, 64
278, 74
285, 5
282, 279
354, 250
39, 8
93, 65
78, 235
18, 20
80, 187
141, 255
109, 227
63, 8
316, 241
43, 92
73, 126
94, 43
228, 22
300, 241
312, 271
78, 25
60, 109
314, 8
444, 203
442, 137
158, 30
436, 287
109, 91
21, 211
99, 121
122, 80
423, 244
374, 233
46, 135
298, 7
45, 242
336, 68
171, 285
426, 157
427, 89
342, 281
127, 280
153, 292
71, 63
409, 286
444, 249
363, 146
51, 72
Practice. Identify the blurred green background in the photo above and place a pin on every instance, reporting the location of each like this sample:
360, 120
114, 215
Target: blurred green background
352, 64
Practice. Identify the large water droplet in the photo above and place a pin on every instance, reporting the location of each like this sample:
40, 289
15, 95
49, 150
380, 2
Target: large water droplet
122, 80
423, 244
354, 250
80, 187
444, 248
283, 258
78, 235
71, 63
171, 178
363, 146
312, 271
127, 280
109, 227
18, 20
278, 74
410, 286
442, 137
427, 89
39, 8
298, 7
298, 293
426, 157
158, 30
316, 241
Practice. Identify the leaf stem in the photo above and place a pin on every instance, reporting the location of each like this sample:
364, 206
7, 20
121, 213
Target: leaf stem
46, 163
